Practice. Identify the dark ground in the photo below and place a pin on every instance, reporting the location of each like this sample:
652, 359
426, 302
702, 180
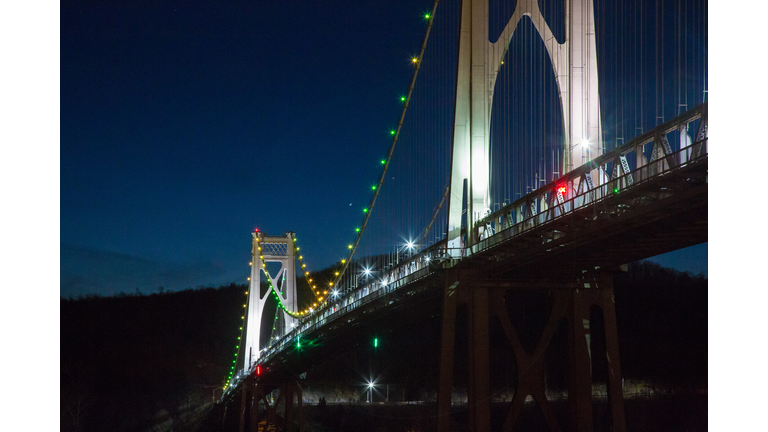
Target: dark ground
664, 414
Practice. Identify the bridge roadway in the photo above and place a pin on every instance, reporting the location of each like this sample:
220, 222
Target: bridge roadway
664, 209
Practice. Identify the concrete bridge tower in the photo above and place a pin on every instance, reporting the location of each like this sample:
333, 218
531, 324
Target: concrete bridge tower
575, 67
273, 249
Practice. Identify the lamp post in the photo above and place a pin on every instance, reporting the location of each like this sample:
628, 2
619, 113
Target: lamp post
410, 246
366, 272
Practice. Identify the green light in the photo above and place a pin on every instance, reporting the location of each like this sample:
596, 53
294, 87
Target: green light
426, 16
375, 342
357, 229
383, 161
392, 132
616, 191
298, 343
373, 187
402, 98
365, 210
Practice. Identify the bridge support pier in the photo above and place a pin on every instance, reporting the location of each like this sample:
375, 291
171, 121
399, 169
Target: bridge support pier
253, 395
593, 291
571, 302
249, 406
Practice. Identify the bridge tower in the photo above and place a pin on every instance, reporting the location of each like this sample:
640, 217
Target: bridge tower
575, 66
273, 249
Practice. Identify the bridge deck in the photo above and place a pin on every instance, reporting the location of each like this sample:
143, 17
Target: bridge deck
659, 207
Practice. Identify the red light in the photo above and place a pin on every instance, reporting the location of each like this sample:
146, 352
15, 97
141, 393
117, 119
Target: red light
562, 189
258, 370
255, 230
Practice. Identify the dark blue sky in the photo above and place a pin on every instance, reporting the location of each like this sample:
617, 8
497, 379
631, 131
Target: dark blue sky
185, 125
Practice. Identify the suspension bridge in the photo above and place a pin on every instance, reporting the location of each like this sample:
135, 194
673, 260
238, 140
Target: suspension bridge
551, 180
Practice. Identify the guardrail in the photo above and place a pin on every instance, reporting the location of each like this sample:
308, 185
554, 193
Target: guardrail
506, 224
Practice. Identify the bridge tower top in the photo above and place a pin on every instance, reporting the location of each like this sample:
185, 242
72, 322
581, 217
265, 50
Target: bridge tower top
266, 249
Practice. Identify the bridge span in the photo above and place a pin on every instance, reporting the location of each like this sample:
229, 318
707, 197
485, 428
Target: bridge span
564, 237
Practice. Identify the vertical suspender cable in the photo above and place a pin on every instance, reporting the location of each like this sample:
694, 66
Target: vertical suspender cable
345, 265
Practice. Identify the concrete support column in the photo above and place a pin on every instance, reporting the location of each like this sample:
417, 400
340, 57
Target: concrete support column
479, 353
579, 365
448, 334
613, 380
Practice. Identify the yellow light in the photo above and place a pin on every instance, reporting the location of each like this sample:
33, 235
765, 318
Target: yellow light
243, 305
343, 261
248, 278
310, 280
414, 60
337, 273
303, 265
349, 246
314, 286
300, 257
250, 263
242, 317
330, 283
297, 248
325, 292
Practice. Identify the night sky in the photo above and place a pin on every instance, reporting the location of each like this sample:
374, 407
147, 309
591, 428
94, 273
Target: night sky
185, 125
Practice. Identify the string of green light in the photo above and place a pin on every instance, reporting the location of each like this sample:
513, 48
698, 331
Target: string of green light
366, 211
237, 347
396, 133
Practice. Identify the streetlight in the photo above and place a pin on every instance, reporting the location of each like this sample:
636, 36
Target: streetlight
410, 245
370, 389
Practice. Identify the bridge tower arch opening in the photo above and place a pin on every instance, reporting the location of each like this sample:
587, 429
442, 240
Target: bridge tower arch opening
527, 135
274, 249
575, 67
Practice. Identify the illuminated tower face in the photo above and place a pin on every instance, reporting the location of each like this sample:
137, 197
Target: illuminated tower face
574, 64
283, 284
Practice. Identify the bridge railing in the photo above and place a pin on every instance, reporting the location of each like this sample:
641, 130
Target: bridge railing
503, 227
577, 188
